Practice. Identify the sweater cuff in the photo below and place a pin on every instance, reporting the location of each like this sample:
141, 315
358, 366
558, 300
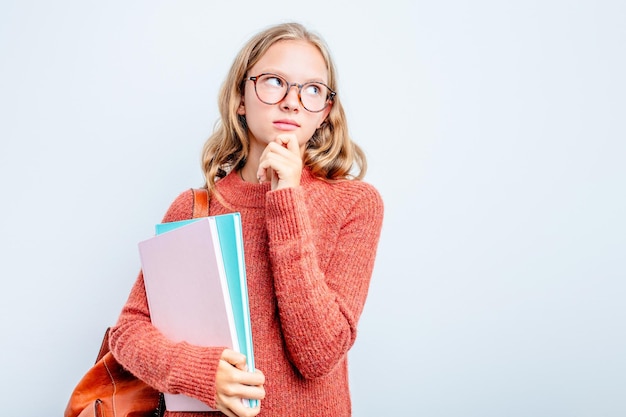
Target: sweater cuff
196, 367
287, 216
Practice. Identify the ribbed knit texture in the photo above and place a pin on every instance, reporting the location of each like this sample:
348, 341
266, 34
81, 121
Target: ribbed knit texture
309, 258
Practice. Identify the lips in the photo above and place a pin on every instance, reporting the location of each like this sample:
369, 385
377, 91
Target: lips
286, 124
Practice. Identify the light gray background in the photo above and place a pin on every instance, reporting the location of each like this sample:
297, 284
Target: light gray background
495, 133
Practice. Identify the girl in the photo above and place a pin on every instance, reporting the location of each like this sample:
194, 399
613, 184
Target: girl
282, 157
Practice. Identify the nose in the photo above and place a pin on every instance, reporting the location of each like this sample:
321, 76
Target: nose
292, 99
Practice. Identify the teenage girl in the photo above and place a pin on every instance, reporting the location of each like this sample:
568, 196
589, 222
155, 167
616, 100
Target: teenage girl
282, 157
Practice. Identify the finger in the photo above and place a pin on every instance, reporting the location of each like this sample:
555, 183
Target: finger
251, 392
277, 148
287, 149
279, 156
264, 172
256, 378
274, 177
292, 144
283, 168
269, 169
285, 139
281, 162
232, 374
234, 406
248, 385
252, 379
234, 358
226, 411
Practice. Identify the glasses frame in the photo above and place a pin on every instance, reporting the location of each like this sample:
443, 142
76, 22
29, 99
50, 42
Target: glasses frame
329, 98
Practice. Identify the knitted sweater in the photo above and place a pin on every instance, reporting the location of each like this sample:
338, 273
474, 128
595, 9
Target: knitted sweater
309, 257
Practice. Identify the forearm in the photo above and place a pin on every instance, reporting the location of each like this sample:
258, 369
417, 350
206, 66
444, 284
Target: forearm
320, 298
317, 329
178, 368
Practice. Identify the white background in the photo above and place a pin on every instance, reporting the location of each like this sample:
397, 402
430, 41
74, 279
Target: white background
495, 132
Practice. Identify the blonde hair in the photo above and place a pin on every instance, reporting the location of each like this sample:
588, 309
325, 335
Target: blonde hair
330, 153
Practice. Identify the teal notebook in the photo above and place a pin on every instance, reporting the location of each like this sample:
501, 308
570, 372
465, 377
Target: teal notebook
231, 242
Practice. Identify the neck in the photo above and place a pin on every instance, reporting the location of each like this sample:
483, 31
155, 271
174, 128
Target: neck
247, 176
249, 171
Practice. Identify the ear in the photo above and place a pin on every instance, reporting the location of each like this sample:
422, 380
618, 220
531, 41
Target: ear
241, 110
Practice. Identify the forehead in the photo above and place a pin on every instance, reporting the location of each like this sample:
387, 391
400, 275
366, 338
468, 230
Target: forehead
297, 60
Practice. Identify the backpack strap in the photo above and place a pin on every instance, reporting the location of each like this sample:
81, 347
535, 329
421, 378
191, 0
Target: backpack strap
200, 202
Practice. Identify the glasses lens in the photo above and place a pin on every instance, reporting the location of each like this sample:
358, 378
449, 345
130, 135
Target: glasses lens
270, 88
313, 96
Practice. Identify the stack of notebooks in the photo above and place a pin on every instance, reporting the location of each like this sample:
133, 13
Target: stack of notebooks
195, 279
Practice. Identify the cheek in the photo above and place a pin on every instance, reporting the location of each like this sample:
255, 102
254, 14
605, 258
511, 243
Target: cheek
252, 108
309, 130
319, 121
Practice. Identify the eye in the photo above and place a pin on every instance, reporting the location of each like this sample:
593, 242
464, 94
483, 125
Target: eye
313, 89
273, 81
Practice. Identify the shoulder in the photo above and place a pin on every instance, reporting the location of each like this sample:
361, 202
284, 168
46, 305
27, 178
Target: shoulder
363, 191
181, 208
357, 191
351, 196
367, 202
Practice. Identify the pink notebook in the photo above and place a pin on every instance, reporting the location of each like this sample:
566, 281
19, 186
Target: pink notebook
187, 292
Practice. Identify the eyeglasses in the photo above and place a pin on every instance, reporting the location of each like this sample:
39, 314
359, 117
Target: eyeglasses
272, 89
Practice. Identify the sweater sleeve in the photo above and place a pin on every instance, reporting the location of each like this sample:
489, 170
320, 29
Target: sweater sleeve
177, 368
319, 307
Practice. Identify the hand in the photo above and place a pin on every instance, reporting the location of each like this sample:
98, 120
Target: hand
281, 162
233, 382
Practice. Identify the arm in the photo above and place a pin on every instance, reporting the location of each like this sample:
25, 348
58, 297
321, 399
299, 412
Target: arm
178, 368
319, 305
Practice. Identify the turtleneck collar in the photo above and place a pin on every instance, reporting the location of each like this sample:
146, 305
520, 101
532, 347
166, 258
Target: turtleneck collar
237, 192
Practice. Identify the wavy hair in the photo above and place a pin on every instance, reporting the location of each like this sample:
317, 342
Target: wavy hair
330, 154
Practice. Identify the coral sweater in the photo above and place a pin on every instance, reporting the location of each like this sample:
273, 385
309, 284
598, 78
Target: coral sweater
309, 256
